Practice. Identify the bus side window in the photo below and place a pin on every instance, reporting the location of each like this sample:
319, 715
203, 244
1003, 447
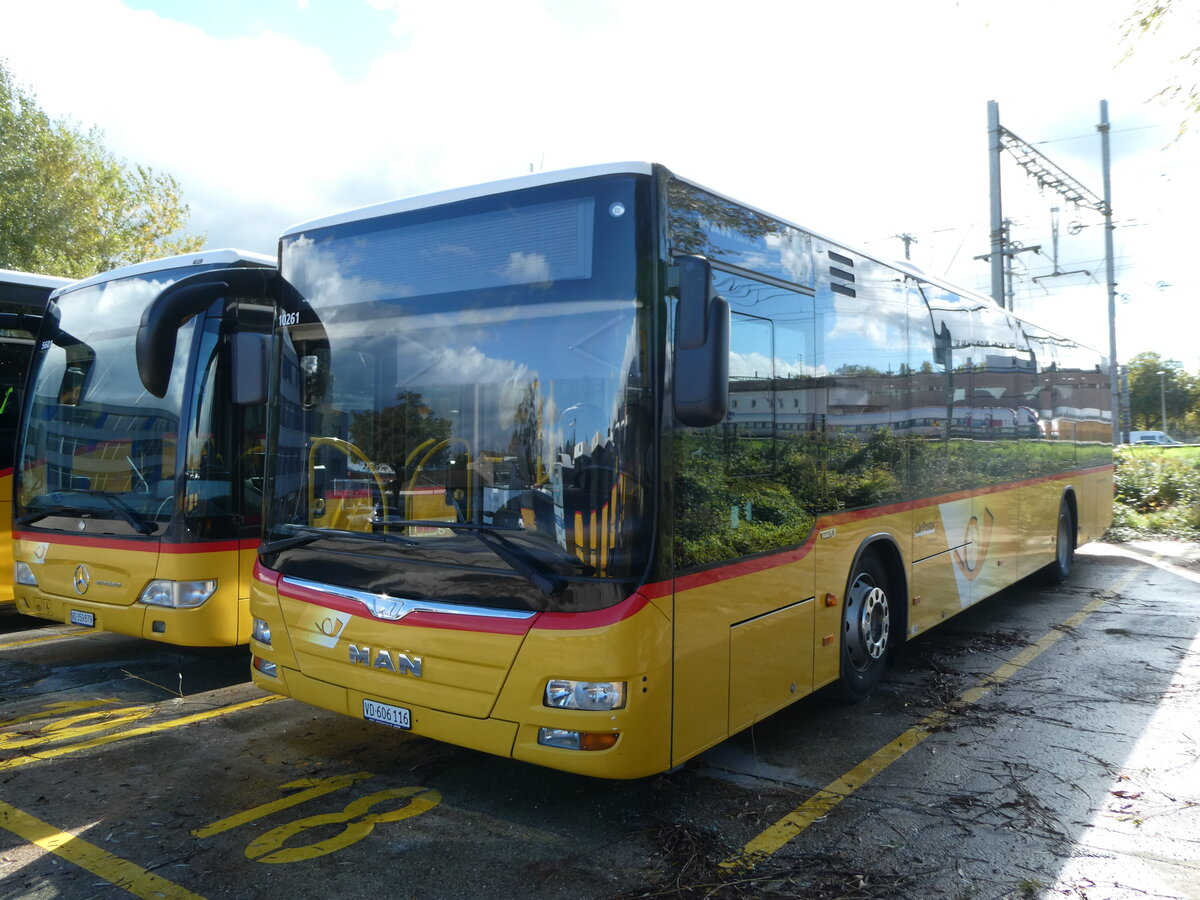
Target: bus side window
747, 484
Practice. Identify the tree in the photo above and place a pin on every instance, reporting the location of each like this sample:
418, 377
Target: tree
68, 207
1149, 390
1148, 17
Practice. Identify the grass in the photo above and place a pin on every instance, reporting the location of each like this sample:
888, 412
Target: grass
1157, 493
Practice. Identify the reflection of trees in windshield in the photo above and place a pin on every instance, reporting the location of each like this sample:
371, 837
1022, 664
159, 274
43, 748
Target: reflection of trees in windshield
707, 224
390, 435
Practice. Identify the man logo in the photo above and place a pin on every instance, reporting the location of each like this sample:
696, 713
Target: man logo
82, 579
389, 660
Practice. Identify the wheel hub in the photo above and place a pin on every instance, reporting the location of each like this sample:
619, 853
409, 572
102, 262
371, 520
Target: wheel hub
868, 623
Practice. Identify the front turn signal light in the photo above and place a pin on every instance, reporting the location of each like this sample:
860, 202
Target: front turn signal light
577, 740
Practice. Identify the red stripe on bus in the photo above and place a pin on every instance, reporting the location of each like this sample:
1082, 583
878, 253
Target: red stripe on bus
265, 575
776, 558
146, 545
600, 618
657, 590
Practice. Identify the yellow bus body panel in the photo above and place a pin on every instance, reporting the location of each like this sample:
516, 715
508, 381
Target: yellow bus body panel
704, 656
755, 635
479, 689
117, 572
6, 540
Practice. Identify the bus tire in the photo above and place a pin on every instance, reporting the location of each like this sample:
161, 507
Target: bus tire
1064, 547
867, 628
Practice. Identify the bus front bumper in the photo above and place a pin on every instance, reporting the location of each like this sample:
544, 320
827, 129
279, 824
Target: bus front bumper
205, 626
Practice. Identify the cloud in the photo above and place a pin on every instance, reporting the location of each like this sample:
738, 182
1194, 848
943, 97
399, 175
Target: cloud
858, 133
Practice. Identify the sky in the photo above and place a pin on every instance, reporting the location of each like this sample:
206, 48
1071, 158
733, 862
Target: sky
861, 120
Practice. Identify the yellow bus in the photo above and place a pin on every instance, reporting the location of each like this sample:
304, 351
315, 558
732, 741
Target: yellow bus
135, 514
23, 298
595, 469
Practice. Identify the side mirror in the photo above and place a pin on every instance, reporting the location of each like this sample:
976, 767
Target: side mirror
250, 352
701, 376
81, 359
162, 319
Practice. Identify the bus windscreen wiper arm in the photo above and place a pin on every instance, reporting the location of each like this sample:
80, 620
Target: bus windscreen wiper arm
317, 534
140, 525
31, 517
522, 562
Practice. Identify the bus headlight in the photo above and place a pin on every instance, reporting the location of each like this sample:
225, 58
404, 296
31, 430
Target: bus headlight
22, 574
261, 631
178, 594
562, 693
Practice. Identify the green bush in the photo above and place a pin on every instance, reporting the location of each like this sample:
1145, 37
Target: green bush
1157, 495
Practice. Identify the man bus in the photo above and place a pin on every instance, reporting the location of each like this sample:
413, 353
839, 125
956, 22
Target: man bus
595, 469
136, 514
23, 298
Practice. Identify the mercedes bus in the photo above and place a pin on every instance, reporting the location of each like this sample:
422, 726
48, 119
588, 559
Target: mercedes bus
23, 298
137, 514
594, 469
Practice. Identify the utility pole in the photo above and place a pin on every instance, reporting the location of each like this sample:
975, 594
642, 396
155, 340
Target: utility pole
996, 257
1112, 278
1162, 397
908, 240
1049, 175
1006, 255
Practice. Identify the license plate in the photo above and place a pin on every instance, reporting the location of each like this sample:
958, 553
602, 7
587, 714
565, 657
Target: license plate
86, 619
396, 716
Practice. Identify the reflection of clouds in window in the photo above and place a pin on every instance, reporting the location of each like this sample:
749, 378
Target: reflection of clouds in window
759, 365
123, 301
537, 244
470, 365
885, 326
527, 268
795, 257
315, 273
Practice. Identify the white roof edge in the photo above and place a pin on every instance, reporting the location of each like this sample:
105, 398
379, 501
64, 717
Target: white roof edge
33, 279
199, 258
471, 192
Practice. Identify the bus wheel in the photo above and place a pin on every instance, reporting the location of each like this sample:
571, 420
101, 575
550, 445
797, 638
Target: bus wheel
1064, 547
866, 629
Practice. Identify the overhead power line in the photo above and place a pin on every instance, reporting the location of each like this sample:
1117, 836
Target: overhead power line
1047, 173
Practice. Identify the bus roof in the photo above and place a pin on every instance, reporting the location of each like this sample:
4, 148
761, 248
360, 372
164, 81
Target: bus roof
199, 258
437, 198
471, 192
453, 195
32, 279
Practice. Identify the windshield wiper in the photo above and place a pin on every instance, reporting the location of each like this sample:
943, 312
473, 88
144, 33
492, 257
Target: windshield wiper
31, 517
122, 509
316, 534
522, 561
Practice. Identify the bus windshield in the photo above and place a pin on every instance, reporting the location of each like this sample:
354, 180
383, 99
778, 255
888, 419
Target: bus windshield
97, 445
466, 387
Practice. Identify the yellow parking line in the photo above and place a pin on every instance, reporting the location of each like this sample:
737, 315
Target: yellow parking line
49, 637
119, 872
18, 761
799, 819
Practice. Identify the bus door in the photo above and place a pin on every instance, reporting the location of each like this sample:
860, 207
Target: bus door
744, 610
